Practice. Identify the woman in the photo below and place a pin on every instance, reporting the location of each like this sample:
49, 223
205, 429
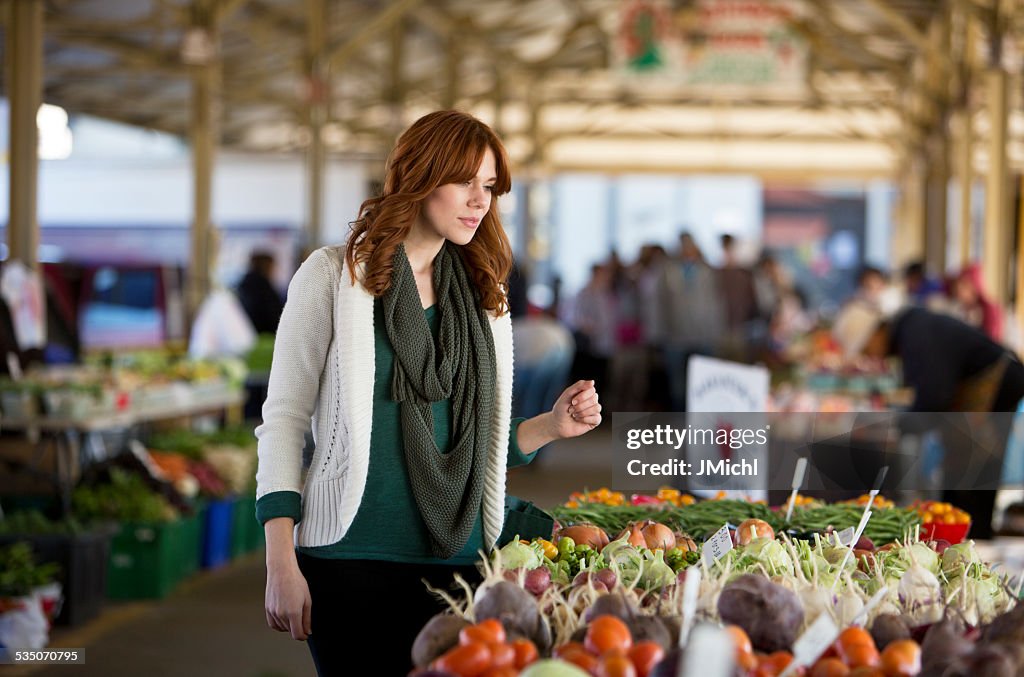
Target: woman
973, 305
399, 348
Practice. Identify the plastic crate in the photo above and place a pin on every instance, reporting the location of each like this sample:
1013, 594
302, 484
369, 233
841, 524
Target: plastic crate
217, 533
255, 537
192, 541
82, 559
146, 560
243, 513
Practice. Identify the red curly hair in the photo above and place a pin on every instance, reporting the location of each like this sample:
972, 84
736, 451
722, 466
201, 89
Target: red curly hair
440, 148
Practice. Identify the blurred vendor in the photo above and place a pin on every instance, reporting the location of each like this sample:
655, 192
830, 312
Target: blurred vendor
952, 367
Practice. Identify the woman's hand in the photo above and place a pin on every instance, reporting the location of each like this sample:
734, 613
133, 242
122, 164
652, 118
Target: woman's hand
576, 410
288, 602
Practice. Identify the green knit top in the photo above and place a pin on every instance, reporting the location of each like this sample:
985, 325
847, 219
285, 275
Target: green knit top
388, 525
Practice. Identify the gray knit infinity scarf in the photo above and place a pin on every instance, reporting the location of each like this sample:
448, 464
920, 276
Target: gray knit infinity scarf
461, 367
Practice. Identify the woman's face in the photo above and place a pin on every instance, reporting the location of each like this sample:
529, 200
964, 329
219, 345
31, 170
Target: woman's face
453, 211
964, 292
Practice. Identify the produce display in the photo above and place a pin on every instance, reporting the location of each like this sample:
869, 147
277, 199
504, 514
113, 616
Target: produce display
131, 382
705, 517
607, 594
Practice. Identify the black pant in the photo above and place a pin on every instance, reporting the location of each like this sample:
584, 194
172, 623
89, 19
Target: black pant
981, 503
366, 614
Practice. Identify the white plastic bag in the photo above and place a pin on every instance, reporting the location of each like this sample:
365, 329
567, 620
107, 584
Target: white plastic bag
221, 328
25, 627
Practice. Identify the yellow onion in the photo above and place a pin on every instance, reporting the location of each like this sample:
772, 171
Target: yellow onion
633, 533
685, 543
658, 536
753, 528
586, 534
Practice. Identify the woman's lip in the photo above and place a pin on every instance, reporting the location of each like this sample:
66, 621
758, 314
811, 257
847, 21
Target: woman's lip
473, 223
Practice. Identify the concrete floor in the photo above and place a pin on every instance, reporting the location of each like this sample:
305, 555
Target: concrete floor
214, 624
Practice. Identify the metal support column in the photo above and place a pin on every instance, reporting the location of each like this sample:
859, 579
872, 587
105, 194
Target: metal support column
317, 113
998, 229
24, 80
204, 132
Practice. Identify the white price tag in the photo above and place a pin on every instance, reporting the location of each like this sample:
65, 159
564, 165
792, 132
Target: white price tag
862, 615
717, 545
691, 588
711, 654
845, 537
798, 480
815, 640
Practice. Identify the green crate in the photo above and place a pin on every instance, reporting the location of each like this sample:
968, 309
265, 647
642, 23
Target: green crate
146, 560
255, 538
192, 542
241, 513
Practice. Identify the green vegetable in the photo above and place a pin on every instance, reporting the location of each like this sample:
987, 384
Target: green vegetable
517, 554
656, 573
19, 573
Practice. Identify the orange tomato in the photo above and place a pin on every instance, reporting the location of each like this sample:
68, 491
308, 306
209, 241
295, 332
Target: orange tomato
615, 663
526, 652
490, 631
587, 662
853, 636
739, 639
467, 660
502, 655
772, 664
568, 647
829, 667
605, 633
860, 655
901, 658
645, 655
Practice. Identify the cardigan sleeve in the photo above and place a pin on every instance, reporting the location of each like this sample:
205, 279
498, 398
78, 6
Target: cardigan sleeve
516, 456
300, 351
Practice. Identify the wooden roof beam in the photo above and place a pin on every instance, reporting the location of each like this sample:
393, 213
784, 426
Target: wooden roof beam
342, 53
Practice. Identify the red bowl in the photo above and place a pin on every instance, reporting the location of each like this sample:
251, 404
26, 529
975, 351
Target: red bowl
954, 533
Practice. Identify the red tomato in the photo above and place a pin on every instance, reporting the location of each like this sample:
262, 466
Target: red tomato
467, 660
502, 655
829, 667
645, 655
490, 631
580, 658
526, 652
615, 663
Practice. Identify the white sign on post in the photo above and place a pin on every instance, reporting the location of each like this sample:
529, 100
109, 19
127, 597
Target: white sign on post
717, 545
727, 396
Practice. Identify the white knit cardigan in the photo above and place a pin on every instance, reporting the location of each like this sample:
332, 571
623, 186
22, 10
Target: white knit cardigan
323, 371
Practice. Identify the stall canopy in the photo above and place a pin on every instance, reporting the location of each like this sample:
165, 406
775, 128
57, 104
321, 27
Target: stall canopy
785, 87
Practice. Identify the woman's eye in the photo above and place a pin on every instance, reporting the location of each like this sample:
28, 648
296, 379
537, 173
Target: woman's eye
489, 188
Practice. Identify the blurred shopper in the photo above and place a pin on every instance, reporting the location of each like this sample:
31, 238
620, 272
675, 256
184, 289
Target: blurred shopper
594, 324
694, 318
262, 302
782, 311
875, 288
922, 290
736, 285
971, 303
952, 367
649, 382
397, 347
544, 354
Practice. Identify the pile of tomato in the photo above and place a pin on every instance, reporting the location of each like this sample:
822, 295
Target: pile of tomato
484, 650
608, 649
